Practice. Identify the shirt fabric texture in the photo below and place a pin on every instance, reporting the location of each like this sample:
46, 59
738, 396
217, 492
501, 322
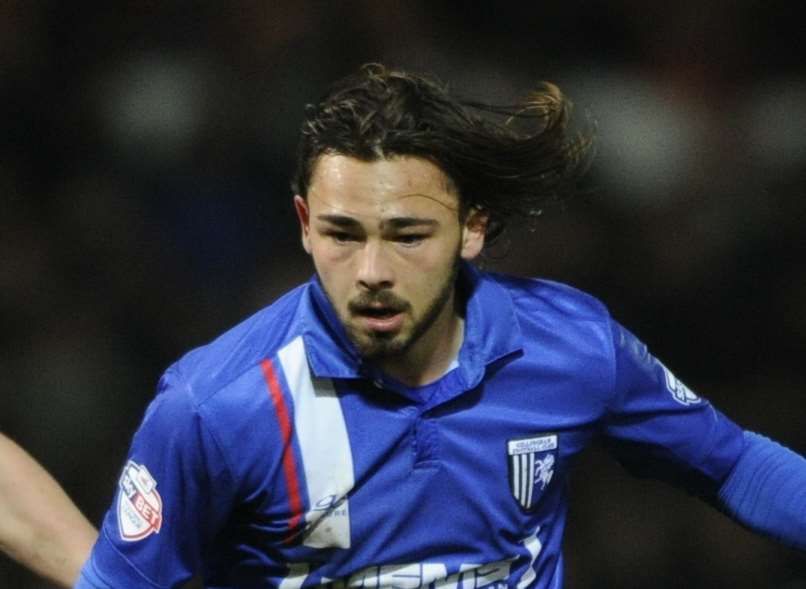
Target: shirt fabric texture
275, 457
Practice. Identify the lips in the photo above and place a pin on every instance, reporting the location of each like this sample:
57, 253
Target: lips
382, 323
379, 316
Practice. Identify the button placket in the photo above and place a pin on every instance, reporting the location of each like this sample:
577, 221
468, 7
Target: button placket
425, 440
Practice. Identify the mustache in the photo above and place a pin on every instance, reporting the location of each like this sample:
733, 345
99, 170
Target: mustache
373, 300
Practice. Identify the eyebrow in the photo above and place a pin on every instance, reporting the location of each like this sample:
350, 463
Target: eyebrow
339, 221
393, 223
403, 222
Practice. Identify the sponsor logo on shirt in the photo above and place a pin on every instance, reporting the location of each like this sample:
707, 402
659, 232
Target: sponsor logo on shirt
139, 503
434, 575
427, 574
680, 392
531, 467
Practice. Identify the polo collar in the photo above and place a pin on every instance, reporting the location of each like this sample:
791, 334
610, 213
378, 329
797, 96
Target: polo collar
491, 333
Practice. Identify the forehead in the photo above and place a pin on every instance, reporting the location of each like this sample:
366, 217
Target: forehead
383, 188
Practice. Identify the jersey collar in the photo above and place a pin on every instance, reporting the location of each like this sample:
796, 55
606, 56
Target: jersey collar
491, 333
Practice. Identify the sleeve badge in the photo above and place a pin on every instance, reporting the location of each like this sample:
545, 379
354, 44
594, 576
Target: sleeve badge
139, 503
681, 393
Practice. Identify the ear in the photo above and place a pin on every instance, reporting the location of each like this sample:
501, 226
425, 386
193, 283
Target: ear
473, 233
304, 216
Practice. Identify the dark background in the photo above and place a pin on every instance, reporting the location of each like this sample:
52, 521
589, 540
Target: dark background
145, 152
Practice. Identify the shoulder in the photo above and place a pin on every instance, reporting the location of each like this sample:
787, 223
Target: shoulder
208, 369
565, 337
215, 397
551, 299
560, 322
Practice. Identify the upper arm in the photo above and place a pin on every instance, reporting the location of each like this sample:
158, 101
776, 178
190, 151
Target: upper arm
658, 427
170, 499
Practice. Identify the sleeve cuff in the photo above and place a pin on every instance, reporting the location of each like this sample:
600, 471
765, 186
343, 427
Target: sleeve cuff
766, 491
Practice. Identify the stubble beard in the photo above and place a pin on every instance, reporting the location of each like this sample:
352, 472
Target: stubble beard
377, 346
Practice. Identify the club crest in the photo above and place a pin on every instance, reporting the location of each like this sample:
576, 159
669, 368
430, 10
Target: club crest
139, 503
531, 467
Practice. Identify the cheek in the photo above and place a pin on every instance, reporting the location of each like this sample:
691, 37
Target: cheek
426, 272
436, 256
334, 266
326, 254
442, 256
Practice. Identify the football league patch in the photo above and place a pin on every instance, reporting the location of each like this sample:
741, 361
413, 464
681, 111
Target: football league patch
531, 467
139, 503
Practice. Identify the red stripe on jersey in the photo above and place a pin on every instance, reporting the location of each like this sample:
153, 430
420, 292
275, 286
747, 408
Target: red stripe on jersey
289, 464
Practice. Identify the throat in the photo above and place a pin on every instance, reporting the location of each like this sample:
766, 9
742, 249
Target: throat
431, 357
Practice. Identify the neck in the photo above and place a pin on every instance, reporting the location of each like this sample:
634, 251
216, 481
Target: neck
431, 355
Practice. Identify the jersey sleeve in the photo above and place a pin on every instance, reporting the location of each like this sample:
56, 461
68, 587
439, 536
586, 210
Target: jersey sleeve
657, 427
170, 499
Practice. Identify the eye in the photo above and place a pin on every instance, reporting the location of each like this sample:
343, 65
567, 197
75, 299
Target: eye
410, 239
342, 237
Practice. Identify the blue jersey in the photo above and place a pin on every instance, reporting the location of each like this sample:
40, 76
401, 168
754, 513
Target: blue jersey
275, 457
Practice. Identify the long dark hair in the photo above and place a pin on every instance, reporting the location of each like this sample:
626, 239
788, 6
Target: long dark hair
497, 166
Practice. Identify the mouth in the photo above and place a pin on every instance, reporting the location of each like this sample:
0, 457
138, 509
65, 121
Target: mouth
380, 318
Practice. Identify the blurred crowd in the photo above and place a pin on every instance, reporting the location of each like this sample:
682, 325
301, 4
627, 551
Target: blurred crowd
145, 156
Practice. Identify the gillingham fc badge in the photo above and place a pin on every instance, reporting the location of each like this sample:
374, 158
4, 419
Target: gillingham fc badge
531, 467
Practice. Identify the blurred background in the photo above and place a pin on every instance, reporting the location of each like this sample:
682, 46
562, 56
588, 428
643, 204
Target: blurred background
145, 153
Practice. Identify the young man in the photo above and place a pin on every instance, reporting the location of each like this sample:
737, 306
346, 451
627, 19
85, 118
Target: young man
404, 419
39, 526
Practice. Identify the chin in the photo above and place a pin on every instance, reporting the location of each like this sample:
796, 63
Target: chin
379, 347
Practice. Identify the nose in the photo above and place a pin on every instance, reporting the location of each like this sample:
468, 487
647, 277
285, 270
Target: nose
374, 269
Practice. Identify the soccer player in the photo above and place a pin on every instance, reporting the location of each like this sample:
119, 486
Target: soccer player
404, 419
39, 526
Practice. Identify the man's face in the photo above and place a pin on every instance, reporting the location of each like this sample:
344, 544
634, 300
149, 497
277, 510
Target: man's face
386, 240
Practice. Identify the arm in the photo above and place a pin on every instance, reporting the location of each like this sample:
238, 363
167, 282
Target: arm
766, 491
171, 498
40, 527
659, 428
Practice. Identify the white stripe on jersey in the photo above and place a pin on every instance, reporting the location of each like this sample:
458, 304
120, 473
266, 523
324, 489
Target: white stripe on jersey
533, 545
523, 478
531, 485
327, 459
297, 573
516, 477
